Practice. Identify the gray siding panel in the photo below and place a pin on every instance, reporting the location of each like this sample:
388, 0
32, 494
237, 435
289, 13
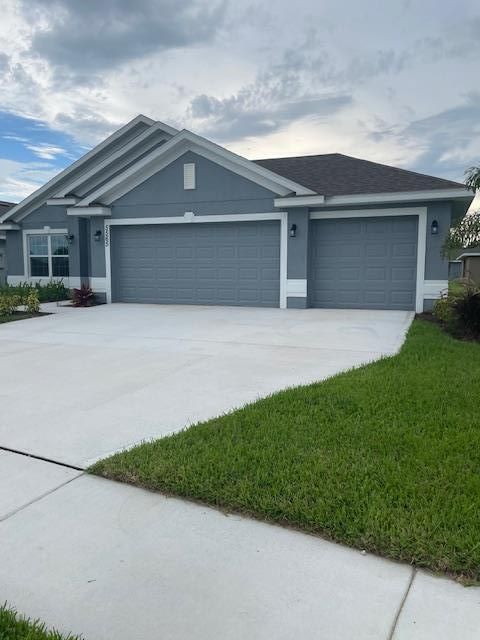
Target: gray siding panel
218, 191
364, 263
230, 263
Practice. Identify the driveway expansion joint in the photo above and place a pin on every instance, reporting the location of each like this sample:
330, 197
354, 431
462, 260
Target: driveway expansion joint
391, 634
42, 458
38, 498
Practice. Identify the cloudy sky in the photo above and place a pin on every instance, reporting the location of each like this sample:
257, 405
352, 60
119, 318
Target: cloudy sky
394, 82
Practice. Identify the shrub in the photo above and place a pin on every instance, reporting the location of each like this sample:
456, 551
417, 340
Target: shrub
9, 304
467, 313
32, 303
443, 309
53, 291
83, 297
459, 311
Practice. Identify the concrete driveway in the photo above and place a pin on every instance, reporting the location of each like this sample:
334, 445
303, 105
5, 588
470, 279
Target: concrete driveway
80, 384
114, 562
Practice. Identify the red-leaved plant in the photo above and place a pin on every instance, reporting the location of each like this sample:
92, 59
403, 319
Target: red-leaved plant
83, 297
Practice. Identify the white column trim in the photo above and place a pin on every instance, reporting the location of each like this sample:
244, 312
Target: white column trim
432, 289
283, 259
421, 212
108, 263
296, 288
421, 254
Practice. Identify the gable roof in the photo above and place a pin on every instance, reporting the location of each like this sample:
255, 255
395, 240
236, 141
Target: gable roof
144, 146
5, 206
120, 137
334, 174
184, 141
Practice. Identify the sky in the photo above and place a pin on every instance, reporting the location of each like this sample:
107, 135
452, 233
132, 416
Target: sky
393, 82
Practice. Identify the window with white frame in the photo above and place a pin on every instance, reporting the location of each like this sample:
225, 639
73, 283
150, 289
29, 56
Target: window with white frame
48, 255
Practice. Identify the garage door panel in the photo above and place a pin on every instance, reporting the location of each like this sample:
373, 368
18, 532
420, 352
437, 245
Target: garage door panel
375, 298
375, 268
223, 263
401, 250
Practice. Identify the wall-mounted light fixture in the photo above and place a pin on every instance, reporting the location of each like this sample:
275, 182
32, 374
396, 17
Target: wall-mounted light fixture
70, 238
434, 227
293, 231
97, 235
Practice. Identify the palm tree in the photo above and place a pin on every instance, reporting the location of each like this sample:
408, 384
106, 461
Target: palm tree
472, 178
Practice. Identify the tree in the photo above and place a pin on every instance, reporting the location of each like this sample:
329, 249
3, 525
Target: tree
472, 178
465, 233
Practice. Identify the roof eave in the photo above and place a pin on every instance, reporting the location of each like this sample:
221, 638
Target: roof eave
35, 199
376, 198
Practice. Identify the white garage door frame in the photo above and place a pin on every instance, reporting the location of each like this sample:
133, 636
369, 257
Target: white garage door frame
421, 212
191, 218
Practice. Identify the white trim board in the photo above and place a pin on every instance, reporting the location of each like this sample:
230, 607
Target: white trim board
190, 218
70, 282
98, 284
33, 201
158, 127
421, 212
89, 211
432, 289
374, 198
176, 147
467, 254
296, 288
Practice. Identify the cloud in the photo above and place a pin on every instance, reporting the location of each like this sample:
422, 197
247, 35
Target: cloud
446, 142
264, 79
46, 151
284, 92
85, 37
19, 179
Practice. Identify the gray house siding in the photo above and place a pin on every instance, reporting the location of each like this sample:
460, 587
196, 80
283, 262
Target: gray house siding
218, 191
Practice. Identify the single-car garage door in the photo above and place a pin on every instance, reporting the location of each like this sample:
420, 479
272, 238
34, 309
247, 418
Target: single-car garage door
226, 263
363, 263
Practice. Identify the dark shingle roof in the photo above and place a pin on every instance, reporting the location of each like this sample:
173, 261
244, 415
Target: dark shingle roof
334, 174
5, 206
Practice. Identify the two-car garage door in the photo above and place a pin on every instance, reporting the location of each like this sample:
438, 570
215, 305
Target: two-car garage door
226, 263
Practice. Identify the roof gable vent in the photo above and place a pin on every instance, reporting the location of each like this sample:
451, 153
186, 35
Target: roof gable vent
189, 175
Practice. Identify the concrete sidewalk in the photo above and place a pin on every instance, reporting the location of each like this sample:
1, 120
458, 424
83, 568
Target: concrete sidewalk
114, 562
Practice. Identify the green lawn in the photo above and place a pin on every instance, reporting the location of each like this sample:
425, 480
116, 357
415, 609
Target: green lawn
385, 457
16, 627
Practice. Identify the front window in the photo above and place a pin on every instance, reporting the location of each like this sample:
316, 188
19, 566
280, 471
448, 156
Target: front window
48, 254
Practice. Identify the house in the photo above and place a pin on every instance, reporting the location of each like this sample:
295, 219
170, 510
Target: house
157, 215
470, 260
4, 207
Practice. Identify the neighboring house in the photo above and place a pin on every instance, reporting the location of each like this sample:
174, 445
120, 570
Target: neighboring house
4, 207
470, 259
157, 215
455, 269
